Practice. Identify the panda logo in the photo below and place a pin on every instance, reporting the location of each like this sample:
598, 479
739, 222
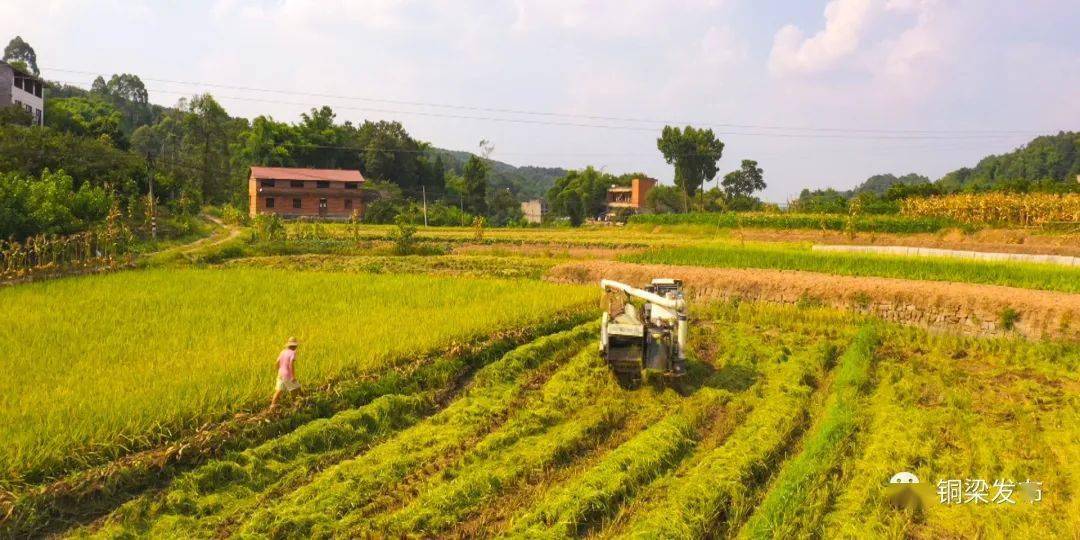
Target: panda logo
904, 478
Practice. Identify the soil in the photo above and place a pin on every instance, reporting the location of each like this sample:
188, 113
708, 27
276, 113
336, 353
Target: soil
991, 240
969, 308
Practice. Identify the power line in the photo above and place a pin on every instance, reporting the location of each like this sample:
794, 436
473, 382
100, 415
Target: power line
969, 133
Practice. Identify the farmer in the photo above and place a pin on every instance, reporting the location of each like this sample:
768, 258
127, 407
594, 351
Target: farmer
286, 378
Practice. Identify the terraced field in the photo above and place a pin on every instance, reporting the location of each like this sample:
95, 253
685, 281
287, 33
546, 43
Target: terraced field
790, 424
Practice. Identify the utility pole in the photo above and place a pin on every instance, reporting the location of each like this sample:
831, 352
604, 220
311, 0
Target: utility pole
423, 192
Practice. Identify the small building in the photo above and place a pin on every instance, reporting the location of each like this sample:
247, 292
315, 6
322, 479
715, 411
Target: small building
629, 199
292, 192
22, 89
534, 210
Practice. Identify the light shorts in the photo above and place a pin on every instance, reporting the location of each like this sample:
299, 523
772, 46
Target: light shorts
287, 386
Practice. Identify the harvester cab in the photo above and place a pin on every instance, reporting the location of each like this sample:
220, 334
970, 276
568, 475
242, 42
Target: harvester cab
644, 330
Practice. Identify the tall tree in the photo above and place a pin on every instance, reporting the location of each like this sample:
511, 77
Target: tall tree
475, 176
20, 51
744, 181
208, 132
694, 153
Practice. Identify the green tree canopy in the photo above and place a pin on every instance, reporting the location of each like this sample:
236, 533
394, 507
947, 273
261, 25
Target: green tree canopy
744, 181
88, 117
475, 185
19, 51
694, 153
581, 194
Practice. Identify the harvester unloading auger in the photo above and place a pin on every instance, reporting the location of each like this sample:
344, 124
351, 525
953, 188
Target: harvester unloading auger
650, 338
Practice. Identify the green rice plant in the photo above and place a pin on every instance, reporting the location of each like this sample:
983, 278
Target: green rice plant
105, 364
564, 511
956, 407
457, 265
1012, 274
833, 222
709, 492
796, 502
575, 407
315, 508
199, 503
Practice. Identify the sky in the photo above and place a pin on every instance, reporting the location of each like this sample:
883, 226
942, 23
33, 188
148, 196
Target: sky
820, 93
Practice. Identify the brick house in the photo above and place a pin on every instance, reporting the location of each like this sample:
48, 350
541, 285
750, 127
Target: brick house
292, 192
629, 199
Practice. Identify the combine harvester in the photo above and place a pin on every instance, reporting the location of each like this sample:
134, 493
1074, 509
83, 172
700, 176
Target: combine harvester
650, 338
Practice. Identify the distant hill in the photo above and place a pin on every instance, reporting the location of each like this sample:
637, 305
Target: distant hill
880, 183
1050, 162
526, 182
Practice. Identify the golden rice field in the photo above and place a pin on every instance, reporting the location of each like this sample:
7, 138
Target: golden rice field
461, 395
104, 363
790, 424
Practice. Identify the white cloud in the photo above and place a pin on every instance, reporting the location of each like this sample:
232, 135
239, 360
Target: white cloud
846, 21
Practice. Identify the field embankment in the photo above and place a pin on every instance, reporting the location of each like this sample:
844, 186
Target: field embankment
970, 308
1010, 274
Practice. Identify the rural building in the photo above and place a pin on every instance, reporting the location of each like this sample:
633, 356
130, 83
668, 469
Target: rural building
629, 199
534, 210
292, 192
22, 89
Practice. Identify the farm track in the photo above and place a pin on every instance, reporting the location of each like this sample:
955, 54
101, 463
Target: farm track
964, 307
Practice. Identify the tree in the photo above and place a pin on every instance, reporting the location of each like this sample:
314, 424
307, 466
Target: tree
88, 117
208, 133
19, 51
475, 177
744, 181
826, 201
15, 116
504, 208
86, 159
589, 187
693, 152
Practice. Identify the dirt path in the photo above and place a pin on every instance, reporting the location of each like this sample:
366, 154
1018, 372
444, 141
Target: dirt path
223, 234
969, 308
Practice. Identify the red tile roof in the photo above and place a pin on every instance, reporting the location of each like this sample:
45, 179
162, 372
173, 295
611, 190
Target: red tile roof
293, 173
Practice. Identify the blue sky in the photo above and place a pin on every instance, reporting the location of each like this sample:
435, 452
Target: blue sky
820, 93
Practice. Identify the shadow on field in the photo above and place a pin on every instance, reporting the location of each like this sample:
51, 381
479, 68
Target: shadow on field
731, 377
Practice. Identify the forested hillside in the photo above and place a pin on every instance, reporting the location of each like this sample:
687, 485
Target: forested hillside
526, 182
1047, 163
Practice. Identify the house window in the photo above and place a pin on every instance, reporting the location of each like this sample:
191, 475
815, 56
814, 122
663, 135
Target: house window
37, 117
269, 202
296, 203
351, 185
296, 183
266, 183
322, 184
348, 204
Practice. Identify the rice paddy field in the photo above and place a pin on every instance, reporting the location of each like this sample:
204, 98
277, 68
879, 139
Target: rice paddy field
461, 395
99, 363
